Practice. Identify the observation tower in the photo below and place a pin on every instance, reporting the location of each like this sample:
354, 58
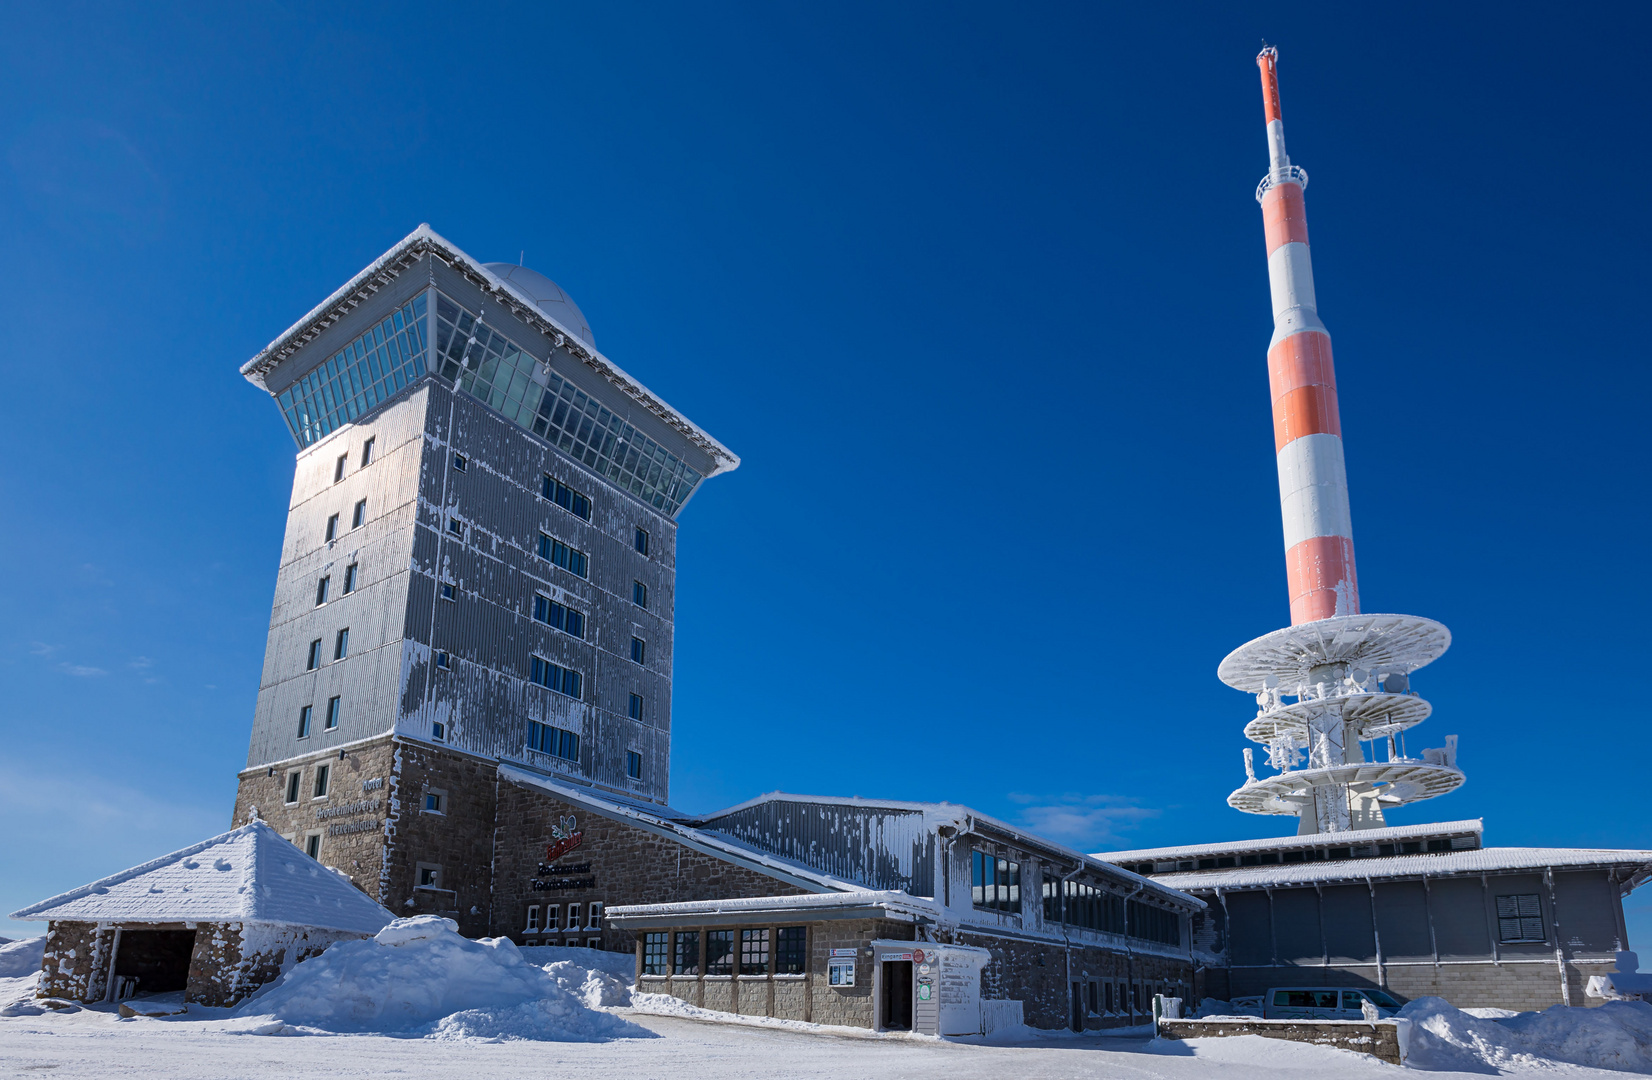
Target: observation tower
1335, 685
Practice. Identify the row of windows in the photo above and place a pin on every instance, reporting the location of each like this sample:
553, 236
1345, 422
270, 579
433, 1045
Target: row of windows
558, 617
571, 559
1086, 906
371, 369
341, 649
566, 497
555, 677
306, 712
555, 741
295, 780
344, 461
553, 918
726, 951
322, 586
1151, 923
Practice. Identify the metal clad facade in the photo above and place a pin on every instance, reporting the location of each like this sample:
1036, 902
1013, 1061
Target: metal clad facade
878, 847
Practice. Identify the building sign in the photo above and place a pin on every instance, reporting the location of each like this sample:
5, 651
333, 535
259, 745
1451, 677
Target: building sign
840, 971
845, 952
566, 836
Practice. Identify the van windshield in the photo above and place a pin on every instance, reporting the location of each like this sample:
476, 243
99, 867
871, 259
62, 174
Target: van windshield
1380, 999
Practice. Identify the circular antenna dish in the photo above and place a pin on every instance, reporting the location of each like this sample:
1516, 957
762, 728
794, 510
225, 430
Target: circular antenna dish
548, 296
1397, 643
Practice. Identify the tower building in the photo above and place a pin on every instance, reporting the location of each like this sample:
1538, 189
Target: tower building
480, 556
1334, 686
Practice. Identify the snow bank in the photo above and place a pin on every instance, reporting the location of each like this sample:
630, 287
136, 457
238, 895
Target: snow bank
1617, 1035
20, 959
418, 977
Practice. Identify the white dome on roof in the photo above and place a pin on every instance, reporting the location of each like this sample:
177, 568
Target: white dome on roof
548, 295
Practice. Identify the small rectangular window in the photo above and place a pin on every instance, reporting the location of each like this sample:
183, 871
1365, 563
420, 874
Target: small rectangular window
312, 845
567, 498
533, 919
332, 713
450, 591
639, 594
638, 651
633, 765
593, 915
321, 591
322, 772
349, 579
438, 731
1520, 918
557, 553
656, 955
554, 677
341, 644
791, 950
687, 959
359, 517
593, 943
719, 952
456, 527
460, 462
304, 722
553, 916
338, 467
293, 781
435, 801
315, 656
429, 876
332, 528
367, 453
443, 661
634, 709
573, 916
640, 541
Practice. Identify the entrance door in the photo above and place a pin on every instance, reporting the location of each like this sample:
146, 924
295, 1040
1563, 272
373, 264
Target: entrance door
897, 995
158, 960
1078, 1007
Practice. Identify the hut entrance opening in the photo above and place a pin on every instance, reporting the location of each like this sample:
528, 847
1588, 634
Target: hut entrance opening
897, 995
152, 961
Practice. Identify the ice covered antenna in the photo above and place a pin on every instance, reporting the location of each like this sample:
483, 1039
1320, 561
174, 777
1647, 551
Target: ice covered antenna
1268, 61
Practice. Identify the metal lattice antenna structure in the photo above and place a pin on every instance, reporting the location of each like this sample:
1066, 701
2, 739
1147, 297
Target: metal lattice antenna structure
1334, 679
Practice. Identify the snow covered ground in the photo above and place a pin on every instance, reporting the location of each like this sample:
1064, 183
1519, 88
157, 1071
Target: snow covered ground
421, 1001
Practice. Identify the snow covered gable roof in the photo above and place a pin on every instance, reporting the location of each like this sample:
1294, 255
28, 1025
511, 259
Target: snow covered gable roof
251, 874
1634, 867
710, 843
1360, 837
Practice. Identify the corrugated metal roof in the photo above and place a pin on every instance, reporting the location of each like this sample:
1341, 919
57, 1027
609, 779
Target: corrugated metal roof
1482, 861
1287, 843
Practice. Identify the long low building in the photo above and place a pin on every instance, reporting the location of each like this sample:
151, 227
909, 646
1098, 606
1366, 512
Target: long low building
1415, 910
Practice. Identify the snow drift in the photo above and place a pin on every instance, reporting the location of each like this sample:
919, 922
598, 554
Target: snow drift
20, 959
1617, 1035
418, 977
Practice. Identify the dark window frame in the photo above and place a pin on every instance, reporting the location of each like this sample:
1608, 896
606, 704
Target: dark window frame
640, 541
639, 650
639, 594
305, 713
560, 553
755, 945
633, 765
335, 707
656, 952
995, 882
358, 516
722, 952
685, 961
570, 499
1520, 914
791, 950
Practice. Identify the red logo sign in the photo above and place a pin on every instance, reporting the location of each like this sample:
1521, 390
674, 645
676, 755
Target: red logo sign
918, 955
555, 851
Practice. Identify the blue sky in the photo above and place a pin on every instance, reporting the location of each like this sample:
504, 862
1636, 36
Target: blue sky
978, 293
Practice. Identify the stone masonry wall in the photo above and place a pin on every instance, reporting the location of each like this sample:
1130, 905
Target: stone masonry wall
615, 863
1037, 974
1379, 1039
76, 964
458, 838
350, 818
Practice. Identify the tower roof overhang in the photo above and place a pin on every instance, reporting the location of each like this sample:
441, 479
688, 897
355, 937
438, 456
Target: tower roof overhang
425, 241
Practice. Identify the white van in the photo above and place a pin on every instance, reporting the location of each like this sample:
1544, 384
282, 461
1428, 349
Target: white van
1324, 1003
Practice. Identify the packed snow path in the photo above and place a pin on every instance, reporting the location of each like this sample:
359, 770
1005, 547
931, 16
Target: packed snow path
96, 1046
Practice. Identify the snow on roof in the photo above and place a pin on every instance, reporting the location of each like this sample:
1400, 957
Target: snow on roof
1307, 840
891, 900
966, 819
1481, 861
251, 874
712, 843
385, 268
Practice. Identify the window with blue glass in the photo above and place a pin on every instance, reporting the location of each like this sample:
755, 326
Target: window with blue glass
567, 498
570, 559
633, 765
639, 650
359, 377
555, 741
304, 722
332, 713
486, 364
634, 709
554, 677
556, 615
639, 594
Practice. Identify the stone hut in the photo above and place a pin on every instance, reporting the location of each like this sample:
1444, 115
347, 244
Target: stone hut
216, 920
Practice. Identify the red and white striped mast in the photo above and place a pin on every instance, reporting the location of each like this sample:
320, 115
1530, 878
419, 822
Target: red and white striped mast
1307, 432
1335, 680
